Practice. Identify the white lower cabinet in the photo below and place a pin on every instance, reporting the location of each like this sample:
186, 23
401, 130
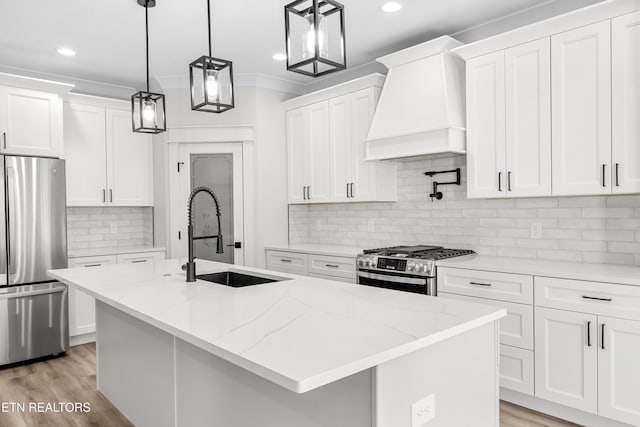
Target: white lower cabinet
589, 362
338, 268
516, 369
618, 370
82, 312
567, 358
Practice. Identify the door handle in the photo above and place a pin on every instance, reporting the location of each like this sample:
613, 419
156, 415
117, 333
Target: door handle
110, 196
509, 180
4, 140
604, 181
589, 334
499, 181
602, 337
309, 192
104, 196
348, 190
352, 190
617, 175
304, 193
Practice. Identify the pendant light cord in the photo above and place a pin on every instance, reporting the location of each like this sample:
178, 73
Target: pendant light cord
209, 22
146, 24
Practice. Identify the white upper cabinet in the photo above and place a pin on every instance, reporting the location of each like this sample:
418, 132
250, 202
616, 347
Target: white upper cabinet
30, 122
486, 126
618, 371
626, 103
326, 149
528, 119
581, 105
86, 156
107, 164
130, 157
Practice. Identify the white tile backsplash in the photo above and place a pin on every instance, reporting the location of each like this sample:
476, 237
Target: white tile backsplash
599, 229
89, 228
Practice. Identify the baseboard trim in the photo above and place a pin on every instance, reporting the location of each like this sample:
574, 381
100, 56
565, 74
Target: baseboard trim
82, 339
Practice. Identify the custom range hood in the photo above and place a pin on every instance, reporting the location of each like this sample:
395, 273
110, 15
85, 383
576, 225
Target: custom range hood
421, 107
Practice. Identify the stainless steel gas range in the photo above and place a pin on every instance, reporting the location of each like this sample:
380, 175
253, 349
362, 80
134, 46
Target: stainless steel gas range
404, 268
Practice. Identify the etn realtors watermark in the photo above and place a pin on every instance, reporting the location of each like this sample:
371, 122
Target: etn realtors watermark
45, 407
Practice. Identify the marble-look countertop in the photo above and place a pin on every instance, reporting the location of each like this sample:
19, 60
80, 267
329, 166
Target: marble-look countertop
79, 253
326, 250
301, 333
610, 273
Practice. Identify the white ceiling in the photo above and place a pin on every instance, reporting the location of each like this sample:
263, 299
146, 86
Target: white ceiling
108, 35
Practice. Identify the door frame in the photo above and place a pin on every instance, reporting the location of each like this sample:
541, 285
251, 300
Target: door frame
211, 136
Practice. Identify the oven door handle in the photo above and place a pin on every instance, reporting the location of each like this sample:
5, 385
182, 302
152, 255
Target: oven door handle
394, 279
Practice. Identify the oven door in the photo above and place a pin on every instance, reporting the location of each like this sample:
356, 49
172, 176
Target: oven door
399, 282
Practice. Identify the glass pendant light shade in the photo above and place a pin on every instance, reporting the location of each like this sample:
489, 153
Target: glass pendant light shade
148, 112
148, 108
315, 37
211, 80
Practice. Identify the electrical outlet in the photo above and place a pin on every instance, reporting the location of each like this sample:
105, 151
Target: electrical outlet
371, 226
535, 232
114, 228
423, 411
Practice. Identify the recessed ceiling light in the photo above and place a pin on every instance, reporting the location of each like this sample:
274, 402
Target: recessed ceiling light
391, 7
279, 56
65, 51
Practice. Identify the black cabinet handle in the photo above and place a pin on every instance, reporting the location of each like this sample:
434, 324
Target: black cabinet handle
481, 284
136, 261
602, 337
285, 260
4, 139
352, 190
304, 193
104, 195
509, 180
332, 265
589, 334
617, 175
499, 181
348, 190
309, 192
93, 265
604, 182
110, 196
597, 299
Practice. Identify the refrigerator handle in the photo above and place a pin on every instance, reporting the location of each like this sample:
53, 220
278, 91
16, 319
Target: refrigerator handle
9, 204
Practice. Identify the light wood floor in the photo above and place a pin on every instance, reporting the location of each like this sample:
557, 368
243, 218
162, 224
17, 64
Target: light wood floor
72, 378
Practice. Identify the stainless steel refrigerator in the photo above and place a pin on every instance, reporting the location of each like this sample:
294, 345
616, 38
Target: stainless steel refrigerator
33, 239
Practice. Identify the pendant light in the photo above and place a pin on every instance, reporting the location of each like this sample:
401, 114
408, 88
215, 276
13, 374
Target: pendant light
314, 33
211, 80
148, 108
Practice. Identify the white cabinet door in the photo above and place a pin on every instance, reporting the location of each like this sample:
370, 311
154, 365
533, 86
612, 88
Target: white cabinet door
363, 174
581, 105
318, 151
566, 358
129, 162
618, 370
82, 309
626, 103
296, 135
30, 122
341, 141
486, 126
85, 154
528, 119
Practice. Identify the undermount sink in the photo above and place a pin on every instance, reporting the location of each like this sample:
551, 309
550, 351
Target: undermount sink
237, 280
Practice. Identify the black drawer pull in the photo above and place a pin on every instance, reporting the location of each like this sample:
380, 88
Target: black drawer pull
332, 265
139, 260
597, 299
285, 260
93, 265
481, 284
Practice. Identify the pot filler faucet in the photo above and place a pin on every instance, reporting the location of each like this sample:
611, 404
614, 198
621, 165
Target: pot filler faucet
190, 266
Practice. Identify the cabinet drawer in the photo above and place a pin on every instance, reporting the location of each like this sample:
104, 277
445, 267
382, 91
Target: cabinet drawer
606, 299
288, 262
332, 266
516, 329
139, 258
335, 278
516, 369
486, 284
92, 261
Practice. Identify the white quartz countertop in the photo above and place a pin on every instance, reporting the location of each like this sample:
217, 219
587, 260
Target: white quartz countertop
610, 273
78, 253
300, 333
327, 250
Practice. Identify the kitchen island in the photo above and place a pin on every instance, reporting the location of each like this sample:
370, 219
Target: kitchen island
296, 352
